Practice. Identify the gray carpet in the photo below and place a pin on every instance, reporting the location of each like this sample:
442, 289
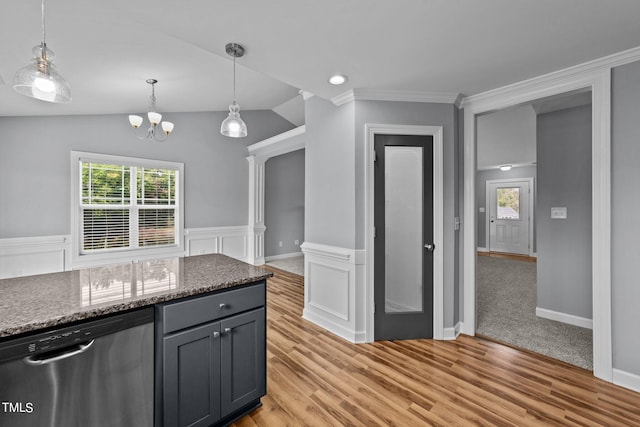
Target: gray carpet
506, 306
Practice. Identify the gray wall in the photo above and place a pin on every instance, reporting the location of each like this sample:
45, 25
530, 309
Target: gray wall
335, 164
482, 177
422, 114
507, 137
284, 203
625, 201
34, 160
564, 179
330, 181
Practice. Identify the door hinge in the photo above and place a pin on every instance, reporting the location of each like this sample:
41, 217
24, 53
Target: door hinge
375, 156
374, 232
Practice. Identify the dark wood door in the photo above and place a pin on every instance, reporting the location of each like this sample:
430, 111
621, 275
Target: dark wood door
403, 211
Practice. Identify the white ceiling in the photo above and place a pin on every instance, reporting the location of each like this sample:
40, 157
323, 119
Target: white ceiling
106, 49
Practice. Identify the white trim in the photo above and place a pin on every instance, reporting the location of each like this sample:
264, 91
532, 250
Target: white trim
332, 252
283, 143
283, 256
570, 319
229, 240
546, 82
394, 95
25, 256
438, 219
451, 333
260, 152
626, 380
483, 250
532, 209
333, 284
78, 260
595, 76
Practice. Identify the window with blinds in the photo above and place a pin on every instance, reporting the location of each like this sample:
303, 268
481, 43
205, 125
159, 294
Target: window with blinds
126, 206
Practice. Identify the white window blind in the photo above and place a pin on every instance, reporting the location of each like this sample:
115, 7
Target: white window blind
126, 206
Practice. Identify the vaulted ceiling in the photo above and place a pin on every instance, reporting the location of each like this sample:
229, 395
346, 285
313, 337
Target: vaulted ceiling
107, 49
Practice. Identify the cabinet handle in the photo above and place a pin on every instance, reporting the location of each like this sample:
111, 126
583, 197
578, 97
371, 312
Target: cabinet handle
223, 305
216, 334
226, 331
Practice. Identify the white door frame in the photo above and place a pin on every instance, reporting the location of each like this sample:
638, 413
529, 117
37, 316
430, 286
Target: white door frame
531, 209
596, 78
371, 130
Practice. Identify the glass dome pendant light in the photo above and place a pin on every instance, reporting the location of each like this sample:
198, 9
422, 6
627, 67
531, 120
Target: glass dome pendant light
233, 125
154, 117
39, 79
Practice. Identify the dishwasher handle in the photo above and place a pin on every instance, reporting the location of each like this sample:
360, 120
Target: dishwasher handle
79, 349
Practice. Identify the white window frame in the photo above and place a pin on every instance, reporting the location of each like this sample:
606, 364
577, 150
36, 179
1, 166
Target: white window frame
84, 259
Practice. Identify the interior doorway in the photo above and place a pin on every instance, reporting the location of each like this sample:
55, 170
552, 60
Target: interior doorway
595, 141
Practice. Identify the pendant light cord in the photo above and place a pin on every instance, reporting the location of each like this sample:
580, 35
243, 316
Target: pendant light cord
44, 41
234, 75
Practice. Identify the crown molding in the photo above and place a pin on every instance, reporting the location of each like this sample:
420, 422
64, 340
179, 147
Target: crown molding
394, 95
305, 95
483, 100
283, 143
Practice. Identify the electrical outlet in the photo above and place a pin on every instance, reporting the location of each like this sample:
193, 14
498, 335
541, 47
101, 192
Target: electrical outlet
296, 242
559, 213
280, 243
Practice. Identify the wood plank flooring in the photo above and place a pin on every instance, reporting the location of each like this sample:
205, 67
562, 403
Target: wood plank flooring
517, 257
318, 379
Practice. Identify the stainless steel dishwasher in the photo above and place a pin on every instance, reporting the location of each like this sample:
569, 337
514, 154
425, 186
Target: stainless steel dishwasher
97, 373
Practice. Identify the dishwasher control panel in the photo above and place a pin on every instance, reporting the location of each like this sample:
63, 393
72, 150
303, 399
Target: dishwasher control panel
60, 338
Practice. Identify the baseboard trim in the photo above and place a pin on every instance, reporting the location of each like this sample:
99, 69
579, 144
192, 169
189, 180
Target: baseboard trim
564, 318
356, 337
451, 333
483, 250
626, 380
283, 256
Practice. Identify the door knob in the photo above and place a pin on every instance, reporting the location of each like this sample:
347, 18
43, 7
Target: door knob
430, 247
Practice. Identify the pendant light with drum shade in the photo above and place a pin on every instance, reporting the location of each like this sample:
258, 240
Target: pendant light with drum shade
39, 79
233, 125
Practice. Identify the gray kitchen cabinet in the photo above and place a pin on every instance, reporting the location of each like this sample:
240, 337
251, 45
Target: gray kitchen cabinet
211, 364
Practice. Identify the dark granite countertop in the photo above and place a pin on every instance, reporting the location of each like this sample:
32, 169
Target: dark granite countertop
32, 303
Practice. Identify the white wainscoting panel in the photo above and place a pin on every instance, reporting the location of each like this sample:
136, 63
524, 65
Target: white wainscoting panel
24, 256
231, 241
334, 289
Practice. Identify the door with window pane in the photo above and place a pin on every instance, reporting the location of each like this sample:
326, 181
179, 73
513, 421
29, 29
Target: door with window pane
509, 217
403, 220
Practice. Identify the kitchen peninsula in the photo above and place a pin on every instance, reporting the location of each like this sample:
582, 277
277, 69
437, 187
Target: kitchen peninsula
208, 336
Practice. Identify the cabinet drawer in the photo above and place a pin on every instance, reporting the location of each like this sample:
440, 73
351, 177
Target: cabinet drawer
203, 309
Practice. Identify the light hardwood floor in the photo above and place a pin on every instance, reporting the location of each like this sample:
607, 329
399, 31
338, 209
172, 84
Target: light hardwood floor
315, 378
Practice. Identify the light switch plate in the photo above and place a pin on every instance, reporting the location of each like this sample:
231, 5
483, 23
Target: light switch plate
558, 213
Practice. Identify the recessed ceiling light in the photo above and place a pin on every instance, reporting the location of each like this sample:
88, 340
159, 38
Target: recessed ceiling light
337, 79
505, 168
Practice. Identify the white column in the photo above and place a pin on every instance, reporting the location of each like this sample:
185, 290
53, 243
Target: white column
255, 253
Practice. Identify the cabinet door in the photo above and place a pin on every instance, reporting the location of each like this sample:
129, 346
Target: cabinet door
243, 360
191, 373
